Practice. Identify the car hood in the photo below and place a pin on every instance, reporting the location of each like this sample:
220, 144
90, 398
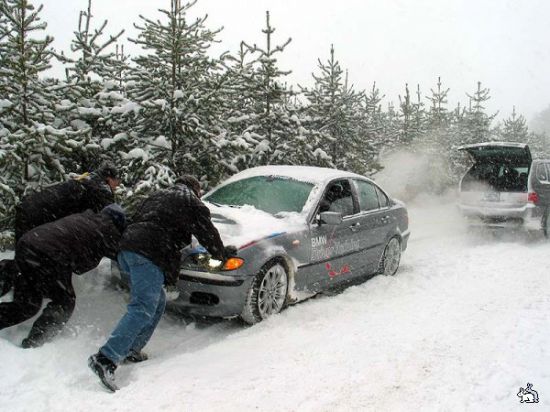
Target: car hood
239, 226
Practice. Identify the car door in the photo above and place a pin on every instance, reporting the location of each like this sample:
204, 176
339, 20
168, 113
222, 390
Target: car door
375, 220
333, 246
541, 183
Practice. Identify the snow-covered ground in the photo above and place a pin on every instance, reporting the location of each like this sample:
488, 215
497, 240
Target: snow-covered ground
462, 326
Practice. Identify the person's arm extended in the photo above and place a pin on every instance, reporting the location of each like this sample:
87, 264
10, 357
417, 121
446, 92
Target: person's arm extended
206, 233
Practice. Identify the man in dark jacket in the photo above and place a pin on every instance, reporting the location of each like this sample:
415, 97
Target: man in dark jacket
89, 191
150, 252
47, 256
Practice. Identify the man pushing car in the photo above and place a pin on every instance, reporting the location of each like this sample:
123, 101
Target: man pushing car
150, 253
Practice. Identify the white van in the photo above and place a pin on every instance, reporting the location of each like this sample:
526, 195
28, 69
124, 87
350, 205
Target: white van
505, 187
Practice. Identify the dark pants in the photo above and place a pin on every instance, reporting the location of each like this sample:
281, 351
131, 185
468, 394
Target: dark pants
39, 278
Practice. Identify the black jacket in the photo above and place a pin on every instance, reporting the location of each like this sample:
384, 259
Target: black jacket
60, 200
77, 241
163, 225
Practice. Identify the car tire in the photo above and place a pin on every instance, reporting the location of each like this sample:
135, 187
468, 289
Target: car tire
267, 294
389, 263
546, 223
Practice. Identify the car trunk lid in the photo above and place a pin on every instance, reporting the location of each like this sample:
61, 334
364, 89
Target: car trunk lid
514, 153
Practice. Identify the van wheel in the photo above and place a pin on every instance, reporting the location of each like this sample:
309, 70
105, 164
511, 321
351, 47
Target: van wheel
267, 295
546, 223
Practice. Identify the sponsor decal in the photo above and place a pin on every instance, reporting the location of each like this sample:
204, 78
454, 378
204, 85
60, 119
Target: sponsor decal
335, 248
333, 273
318, 241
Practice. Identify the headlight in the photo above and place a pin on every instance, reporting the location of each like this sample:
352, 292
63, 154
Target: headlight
233, 263
203, 261
214, 263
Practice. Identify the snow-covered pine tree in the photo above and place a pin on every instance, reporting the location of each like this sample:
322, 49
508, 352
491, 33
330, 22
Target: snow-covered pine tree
514, 129
177, 87
418, 118
406, 111
93, 87
338, 113
539, 144
390, 123
373, 120
438, 121
458, 135
239, 107
273, 127
478, 122
29, 141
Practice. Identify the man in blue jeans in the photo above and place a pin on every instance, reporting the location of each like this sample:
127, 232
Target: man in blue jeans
150, 253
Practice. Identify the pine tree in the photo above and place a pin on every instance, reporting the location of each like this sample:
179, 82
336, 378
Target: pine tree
478, 122
337, 111
177, 87
418, 118
29, 141
515, 128
273, 126
93, 86
93, 57
406, 111
239, 107
438, 121
391, 127
373, 128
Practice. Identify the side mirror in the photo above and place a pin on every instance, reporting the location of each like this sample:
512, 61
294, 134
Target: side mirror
330, 218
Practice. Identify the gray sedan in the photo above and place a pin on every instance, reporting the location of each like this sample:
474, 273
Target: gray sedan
299, 230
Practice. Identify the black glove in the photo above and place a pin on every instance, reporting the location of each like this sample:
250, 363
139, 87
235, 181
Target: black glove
229, 251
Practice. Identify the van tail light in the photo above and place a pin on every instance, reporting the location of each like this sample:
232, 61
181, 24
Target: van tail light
533, 197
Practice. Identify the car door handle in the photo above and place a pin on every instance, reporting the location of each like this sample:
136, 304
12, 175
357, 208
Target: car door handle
385, 219
355, 227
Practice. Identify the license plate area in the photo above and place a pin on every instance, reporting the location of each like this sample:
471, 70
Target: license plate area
491, 197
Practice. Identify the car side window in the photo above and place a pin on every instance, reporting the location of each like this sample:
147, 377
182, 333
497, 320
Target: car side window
542, 173
368, 198
338, 198
382, 198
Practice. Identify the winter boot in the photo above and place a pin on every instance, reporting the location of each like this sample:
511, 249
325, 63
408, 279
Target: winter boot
104, 368
136, 356
29, 343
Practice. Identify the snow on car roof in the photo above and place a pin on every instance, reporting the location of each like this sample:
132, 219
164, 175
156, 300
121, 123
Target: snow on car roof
309, 174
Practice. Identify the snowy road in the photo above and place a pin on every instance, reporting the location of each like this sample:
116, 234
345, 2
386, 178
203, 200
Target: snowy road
463, 325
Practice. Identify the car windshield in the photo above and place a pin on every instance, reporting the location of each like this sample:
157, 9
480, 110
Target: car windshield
272, 194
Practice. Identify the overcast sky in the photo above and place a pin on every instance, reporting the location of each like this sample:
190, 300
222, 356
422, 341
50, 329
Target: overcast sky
505, 44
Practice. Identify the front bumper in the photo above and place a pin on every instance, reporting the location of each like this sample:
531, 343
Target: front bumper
210, 294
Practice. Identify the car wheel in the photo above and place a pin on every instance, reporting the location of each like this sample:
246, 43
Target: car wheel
267, 295
546, 223
391, 258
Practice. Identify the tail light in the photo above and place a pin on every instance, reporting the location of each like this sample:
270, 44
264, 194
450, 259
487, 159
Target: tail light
533, 197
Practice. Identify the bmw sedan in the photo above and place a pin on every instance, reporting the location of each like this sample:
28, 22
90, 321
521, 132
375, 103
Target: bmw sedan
299, 230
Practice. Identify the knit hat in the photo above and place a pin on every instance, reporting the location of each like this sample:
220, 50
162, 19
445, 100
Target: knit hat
107, 169
117, 214
191, 182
